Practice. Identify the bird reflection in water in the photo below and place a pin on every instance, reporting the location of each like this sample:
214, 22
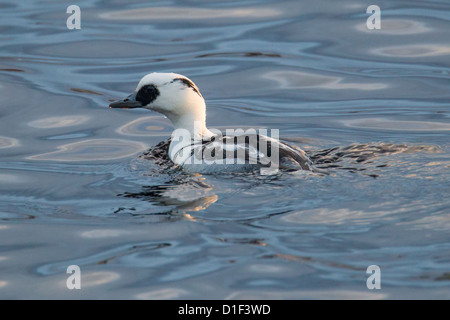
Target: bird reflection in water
185, 192
192, 195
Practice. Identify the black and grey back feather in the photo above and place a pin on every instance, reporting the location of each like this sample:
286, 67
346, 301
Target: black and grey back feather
244, 152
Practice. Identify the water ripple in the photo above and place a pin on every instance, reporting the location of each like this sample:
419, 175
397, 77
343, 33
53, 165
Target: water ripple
370, 106
413, 51
6, 142
397, 125
58, 122
298, 79
397, 27
93, 150
189, 13
146, 126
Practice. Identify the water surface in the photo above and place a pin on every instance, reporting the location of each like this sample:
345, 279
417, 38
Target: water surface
370, 106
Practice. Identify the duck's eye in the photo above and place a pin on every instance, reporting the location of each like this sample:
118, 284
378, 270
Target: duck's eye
147, 94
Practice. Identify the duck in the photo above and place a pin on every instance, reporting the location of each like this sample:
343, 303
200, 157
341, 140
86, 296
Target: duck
198, 149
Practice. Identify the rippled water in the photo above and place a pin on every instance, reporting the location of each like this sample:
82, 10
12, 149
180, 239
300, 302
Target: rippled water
370, 106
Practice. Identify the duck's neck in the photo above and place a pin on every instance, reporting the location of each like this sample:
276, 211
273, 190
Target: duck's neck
193, 123
194, 126
189, 130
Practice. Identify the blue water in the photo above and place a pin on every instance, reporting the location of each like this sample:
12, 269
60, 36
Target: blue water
73, 189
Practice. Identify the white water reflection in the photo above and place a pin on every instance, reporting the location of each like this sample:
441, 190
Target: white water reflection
103, 233
92, 279
413, 51
298, 79
337, 216
93, 150
296, 235
397, 125
266, 268
190, 13
6, 142
305, 294
396, 27
163, 294
146, 126
435, 222
58, 122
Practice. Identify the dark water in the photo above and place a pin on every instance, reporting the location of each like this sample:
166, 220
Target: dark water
370, 106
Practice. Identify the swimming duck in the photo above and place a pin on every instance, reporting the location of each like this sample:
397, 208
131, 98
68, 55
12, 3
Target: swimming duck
196, 148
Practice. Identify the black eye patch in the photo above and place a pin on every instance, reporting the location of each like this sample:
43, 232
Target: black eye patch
188, 84
147, 94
